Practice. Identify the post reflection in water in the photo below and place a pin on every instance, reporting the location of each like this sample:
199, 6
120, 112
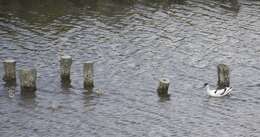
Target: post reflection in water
10, 86
66, 83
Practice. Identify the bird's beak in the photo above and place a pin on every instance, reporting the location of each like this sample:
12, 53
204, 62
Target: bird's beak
202, 87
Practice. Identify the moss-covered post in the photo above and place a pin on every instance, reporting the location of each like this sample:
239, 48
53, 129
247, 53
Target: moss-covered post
223, 76
163, 87
65, 66
28, 79
9, 70
88, 75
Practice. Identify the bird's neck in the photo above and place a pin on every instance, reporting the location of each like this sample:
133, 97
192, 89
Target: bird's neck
207, 88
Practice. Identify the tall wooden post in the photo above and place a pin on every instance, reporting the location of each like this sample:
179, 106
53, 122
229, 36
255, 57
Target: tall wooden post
223, 76
65, 66
88, 75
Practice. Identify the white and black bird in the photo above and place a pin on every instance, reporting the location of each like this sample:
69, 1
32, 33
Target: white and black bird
217, 92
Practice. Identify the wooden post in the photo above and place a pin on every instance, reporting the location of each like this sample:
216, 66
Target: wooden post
65, 66
88, 75
10, 70
28, 79
223, 76
163, 87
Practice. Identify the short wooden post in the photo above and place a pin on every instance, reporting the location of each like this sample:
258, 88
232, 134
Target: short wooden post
65, 66
88, 75
28, 79
223, 76
10, 70
163, 87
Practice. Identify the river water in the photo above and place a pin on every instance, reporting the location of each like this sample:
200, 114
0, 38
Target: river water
133, 45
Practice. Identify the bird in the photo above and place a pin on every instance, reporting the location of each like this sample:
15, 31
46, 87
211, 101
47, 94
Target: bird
217, 92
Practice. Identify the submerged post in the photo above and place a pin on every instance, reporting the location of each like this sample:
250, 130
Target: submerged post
28, 79
163, 87
223, 76
88, 75
65, 66
10, 70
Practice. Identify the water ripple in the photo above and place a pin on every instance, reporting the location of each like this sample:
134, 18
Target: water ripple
133, 44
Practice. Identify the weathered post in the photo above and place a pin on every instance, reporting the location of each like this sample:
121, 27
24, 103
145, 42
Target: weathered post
223, 76
10, 70
28, 79
65, 66
88, 75
163, 87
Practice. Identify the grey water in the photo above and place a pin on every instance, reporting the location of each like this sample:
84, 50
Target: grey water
133, 43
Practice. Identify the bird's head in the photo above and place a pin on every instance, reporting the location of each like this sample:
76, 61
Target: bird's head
206, 84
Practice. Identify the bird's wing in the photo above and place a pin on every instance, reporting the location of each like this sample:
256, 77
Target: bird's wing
228, 90
220, 92
225, 91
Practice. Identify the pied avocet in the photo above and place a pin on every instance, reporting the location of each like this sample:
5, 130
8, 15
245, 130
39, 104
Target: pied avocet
217, 92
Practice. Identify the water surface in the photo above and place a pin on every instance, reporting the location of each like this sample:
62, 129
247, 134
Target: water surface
133, 45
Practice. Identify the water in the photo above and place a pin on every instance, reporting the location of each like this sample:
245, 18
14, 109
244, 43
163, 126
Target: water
133, 45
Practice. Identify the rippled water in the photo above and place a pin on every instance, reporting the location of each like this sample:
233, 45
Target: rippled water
133, 44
